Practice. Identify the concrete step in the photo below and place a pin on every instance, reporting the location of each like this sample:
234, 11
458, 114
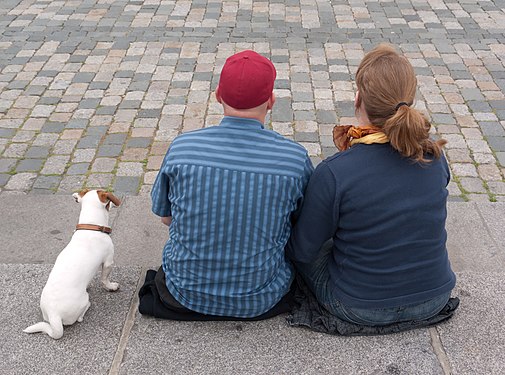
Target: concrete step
114, 338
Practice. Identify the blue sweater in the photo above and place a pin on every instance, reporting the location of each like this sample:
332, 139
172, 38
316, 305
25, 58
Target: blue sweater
386, 215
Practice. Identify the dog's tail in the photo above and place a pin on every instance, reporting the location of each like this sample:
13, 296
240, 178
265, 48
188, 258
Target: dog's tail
54, 328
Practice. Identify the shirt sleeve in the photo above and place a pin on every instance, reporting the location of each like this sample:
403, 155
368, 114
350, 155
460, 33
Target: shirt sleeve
307, 172
318, 219
161, 205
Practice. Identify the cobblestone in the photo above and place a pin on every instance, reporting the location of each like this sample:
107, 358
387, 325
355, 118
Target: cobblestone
103, 165
5, 177
497, 187
93, 95
126, 184
71, 183
464, 170
47, 182
6, 165
477, 198
21, 182
99, 180
472, 185
29, 165
78, 168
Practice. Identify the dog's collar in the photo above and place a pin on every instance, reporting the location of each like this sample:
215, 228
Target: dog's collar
99, 228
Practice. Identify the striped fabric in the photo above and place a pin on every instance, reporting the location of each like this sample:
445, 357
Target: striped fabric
231, 191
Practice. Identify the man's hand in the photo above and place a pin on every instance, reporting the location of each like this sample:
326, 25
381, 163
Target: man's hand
167, 220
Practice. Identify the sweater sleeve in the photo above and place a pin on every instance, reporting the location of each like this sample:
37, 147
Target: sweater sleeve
318, 220
446, 168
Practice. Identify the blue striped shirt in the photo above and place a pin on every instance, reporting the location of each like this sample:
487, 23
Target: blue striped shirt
231, 191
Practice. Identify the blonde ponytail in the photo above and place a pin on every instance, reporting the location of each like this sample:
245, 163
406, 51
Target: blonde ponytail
408, 133
387, 85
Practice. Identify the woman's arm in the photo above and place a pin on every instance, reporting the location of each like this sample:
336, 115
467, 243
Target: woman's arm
318, 220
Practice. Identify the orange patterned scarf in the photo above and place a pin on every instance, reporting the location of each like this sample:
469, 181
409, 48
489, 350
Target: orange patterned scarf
348, 135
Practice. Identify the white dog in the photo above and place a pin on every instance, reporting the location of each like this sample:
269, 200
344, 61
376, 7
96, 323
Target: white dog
64, 299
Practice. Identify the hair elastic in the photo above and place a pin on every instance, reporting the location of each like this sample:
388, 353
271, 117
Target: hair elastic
400, 104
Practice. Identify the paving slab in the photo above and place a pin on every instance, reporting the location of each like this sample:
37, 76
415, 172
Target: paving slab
85, 348
473, 236
493, 216
474, 339
269, 347
36, 228
138, 234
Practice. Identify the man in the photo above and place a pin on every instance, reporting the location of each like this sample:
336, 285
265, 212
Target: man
229, 194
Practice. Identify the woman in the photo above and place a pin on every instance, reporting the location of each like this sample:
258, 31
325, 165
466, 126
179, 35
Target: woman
370, 239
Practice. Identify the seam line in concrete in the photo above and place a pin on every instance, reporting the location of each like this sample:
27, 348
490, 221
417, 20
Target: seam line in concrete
438, 349
120, 210
490, 236
127, 327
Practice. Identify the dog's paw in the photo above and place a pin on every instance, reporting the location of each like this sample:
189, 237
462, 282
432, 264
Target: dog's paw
111, 287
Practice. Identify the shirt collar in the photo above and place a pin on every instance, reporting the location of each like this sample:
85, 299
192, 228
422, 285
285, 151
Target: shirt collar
237, 122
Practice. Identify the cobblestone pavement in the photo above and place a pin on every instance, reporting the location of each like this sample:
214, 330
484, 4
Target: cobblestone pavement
92, 92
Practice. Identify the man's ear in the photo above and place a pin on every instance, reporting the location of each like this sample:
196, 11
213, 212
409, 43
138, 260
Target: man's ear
218, 95
271, 101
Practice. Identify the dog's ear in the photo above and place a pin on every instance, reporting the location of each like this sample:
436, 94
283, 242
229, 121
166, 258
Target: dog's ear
78, 196
106, 197
113, 199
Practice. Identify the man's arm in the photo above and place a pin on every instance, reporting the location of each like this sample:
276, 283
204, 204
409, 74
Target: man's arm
167, 220
318, 219
307, 172
161, 205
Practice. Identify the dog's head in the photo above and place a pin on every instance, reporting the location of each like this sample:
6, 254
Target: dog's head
103, 197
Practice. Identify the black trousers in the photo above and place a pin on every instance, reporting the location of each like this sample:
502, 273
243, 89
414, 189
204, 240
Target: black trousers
155, 300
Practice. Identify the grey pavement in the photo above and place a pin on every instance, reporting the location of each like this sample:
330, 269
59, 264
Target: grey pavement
92, 93
115, 339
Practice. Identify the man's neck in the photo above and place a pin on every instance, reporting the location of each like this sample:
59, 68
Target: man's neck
251, 114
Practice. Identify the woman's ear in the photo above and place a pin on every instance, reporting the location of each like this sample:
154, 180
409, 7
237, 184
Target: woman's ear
357, 100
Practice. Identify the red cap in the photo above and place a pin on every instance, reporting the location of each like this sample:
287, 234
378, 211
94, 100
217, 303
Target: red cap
247, 80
